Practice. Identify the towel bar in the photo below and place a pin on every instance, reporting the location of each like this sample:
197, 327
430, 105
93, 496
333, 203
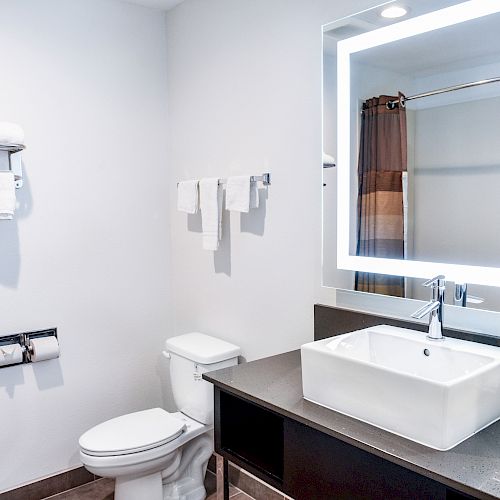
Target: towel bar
264, 178
14, 166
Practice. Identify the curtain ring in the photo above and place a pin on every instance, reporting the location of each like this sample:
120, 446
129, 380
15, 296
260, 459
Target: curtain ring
392, 105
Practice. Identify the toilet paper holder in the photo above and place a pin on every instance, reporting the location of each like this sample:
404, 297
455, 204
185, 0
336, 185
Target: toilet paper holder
24, 341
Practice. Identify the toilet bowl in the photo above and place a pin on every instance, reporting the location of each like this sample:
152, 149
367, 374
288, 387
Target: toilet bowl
157, 455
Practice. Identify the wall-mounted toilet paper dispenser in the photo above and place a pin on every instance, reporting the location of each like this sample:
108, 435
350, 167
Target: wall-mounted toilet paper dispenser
29, 347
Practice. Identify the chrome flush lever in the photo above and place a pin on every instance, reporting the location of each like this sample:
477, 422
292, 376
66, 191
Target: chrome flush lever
434, 308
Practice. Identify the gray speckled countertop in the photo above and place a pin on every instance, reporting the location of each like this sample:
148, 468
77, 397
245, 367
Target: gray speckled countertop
472, 467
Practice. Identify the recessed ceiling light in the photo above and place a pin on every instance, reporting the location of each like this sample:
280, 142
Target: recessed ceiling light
394, 12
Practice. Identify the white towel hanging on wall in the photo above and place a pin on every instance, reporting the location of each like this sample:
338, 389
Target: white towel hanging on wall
242, 193
7, 195
188, 196
211, 212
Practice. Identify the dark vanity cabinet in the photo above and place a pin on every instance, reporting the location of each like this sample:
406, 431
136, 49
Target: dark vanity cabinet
250, 436
308, 464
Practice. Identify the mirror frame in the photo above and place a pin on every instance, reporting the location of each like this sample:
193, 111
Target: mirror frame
467, 11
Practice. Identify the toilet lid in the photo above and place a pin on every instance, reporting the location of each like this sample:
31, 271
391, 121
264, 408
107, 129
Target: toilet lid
139, 431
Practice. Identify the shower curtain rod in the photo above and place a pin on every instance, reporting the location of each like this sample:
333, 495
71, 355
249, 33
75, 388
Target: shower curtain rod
392, 104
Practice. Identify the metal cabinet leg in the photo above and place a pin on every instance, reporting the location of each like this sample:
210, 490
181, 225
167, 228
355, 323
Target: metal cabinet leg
222, 478
226, 478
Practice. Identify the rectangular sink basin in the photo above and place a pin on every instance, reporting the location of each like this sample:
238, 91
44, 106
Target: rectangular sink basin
437, 393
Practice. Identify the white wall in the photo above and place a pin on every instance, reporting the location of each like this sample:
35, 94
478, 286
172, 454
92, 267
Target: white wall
245, 97
88, 250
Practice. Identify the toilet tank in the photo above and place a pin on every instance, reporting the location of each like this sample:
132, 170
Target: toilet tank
191, 355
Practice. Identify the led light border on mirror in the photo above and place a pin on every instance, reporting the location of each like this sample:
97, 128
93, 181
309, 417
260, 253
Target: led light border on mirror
473, 9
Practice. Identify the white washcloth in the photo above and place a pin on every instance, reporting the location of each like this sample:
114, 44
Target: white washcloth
7, 195
11, 133
241, 194
211, 212
187, 197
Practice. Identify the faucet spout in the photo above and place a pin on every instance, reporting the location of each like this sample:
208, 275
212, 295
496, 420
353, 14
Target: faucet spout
434, 308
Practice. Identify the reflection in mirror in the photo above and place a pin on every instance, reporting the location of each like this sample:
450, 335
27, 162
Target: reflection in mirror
425, 169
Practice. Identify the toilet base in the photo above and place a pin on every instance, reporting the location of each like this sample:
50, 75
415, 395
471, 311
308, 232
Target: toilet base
173, 471
187, 483
133, 488
185, 489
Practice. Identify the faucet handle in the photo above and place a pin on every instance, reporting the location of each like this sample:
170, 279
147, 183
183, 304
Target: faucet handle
439, 280
433, 305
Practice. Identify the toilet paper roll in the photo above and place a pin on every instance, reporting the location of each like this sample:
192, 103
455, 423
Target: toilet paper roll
44, 348
11, 354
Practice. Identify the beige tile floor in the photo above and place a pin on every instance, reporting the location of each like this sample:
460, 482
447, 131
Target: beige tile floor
103, 489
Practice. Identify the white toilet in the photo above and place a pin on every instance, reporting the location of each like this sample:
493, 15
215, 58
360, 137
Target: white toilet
156, 455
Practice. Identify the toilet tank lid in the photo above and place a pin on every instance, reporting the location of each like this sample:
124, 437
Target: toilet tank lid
201, 348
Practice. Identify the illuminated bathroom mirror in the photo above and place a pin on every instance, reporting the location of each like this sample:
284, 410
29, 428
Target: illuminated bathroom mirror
414, 189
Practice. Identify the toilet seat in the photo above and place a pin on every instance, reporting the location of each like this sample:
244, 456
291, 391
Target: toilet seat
122, 462
116, 465
132, 433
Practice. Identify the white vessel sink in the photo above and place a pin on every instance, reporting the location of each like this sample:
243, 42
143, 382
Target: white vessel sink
437, 393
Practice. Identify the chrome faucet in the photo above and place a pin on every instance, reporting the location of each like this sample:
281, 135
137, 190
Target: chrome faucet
463, 298
434, 308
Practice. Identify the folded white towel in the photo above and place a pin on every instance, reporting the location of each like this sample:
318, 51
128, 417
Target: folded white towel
11, 133
211, 212
238, 193
7, 195
241, 194
187, 197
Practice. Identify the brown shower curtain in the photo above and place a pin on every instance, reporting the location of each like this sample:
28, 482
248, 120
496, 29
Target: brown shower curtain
382, 161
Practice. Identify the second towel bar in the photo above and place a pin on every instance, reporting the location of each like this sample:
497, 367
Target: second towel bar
264, 178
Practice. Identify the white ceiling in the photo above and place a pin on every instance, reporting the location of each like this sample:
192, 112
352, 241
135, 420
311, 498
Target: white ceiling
371, 19
157, 4
456, 47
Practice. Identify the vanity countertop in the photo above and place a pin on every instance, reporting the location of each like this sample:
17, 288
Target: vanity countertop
275, 383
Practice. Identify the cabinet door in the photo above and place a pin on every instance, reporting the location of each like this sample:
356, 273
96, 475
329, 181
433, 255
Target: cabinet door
318, 466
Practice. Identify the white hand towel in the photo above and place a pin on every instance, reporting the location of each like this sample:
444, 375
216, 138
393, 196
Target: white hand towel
187, 197
11, 133
211, 212
7, 195
254, 195
238, 193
